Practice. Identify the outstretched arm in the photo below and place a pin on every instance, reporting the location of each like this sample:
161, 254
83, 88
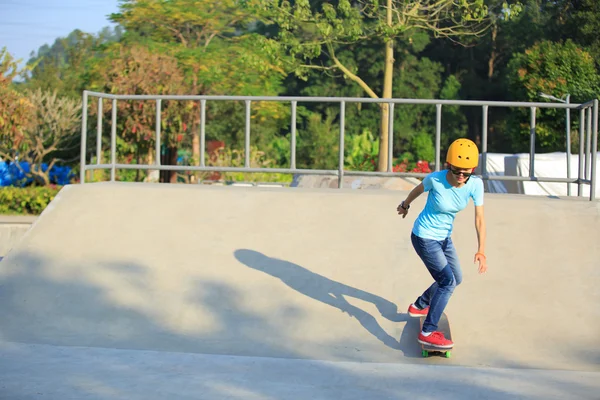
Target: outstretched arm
480, 227
416, 192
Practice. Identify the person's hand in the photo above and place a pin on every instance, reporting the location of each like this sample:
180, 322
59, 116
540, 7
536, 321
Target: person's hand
401, 211
482, 262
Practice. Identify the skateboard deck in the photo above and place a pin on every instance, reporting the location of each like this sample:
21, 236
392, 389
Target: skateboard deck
444, 327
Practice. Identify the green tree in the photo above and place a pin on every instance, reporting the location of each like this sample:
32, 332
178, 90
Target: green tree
481, 66
556, 69
138, 70
306, 30
418, 77
580, 19
215, 54
53, 133
317, 147
16, 110
62, 66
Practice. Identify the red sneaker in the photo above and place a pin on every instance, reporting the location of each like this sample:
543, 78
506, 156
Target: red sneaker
415, 312
436, 339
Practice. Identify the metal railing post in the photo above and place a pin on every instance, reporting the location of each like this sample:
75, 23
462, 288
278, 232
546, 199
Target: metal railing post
84, 107
588, 143
532, 144
594, 153
438, 136
113, 142
568, 123
581, 144
484, 137
293, 136
390, 136
157, 129
99, 133
202, 131
247, 136
341, 151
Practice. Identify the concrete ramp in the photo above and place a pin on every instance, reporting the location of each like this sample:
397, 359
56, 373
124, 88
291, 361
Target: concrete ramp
299, 274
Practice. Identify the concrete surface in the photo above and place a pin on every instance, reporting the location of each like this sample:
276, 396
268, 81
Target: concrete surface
292, 278
354, 182
64, 373
12, 229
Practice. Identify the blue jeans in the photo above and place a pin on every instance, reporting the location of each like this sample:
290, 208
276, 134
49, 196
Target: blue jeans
441, 261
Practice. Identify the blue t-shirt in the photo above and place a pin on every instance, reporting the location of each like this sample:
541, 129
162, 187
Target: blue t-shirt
443, 202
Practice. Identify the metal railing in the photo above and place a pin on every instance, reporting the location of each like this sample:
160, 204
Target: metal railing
588, 134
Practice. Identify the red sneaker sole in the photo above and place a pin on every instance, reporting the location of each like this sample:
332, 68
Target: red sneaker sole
441, 346
417, 315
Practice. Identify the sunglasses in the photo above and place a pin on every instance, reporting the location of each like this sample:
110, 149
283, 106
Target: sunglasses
457, 173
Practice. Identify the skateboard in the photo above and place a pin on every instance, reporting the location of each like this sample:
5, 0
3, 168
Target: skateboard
444, 327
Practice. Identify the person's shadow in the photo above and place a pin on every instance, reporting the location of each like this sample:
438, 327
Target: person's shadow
327, 291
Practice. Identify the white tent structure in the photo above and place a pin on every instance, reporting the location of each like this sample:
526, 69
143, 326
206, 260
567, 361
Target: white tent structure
547, 165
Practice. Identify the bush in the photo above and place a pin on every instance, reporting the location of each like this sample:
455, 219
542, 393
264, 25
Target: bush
222, 157
404, 165
26, 201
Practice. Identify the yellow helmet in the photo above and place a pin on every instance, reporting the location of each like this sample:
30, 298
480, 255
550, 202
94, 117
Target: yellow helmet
463, 153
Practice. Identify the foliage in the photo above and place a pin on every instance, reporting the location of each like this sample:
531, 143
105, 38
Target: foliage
138, 70
204, 37
33, 124
16, 111
454, 121
62, 66
403, 165
26, 201
53, 127
361, 151
577, 19
215, 56
586, 23
307, 31
192, 23
419, 78
318, 142
556, 69
280, 150
224, 157
315, 48
422, 147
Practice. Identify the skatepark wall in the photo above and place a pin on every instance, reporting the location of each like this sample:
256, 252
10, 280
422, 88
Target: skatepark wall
12, 229
299, 273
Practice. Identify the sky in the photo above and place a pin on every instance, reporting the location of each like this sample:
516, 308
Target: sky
26, 25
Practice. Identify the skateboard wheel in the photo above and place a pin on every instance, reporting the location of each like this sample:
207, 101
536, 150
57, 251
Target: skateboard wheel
425, 353
448, 354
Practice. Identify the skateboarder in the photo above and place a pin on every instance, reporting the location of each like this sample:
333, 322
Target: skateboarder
449, 192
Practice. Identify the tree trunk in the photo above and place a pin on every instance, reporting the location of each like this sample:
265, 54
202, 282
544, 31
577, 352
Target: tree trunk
172, 161
383, 138
169, 158
138, 159
494, 55
387, 94
162, 174
150, 158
